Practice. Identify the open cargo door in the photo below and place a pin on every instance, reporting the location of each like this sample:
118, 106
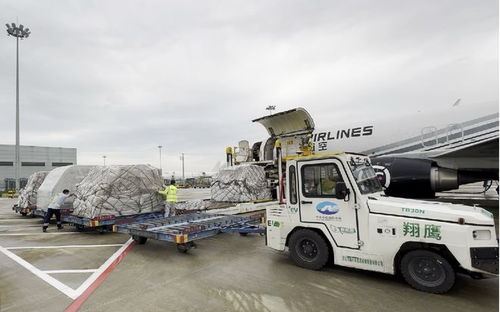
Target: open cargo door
290, 122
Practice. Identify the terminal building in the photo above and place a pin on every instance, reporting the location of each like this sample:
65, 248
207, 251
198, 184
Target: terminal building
33, 159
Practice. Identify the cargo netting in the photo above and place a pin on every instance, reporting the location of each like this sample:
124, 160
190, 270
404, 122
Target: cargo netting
240, 184
119, 190
28, 195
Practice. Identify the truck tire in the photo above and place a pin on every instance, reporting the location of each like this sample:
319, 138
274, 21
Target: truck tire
139, 239
308, 249
427, 271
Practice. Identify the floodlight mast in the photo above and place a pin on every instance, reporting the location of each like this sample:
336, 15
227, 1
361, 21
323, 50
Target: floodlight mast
20, 33
159, 147
271, 108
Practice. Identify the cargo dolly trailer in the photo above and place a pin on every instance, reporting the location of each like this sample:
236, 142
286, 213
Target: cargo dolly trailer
24, 211
105, 223
102, 223
183, 230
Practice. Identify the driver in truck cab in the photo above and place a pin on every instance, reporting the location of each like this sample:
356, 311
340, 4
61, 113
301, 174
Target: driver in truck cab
322, 181
328, 186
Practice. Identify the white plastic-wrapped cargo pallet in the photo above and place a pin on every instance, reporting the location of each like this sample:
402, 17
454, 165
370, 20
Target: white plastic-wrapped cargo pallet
28, 195
119, 190
57, 180
240, 184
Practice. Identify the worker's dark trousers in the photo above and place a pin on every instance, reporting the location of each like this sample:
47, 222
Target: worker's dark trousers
49, 214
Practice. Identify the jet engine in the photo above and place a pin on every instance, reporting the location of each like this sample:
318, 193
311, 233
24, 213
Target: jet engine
413, 178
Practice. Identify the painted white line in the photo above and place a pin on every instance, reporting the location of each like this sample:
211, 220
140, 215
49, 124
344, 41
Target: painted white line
20, 225
69, 271
102, 268
68, 291
20, 219
38, 233
64, 246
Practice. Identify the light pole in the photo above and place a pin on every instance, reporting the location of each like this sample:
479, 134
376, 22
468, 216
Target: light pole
20, 33
271, 108
159, 147
182, 159
104, 159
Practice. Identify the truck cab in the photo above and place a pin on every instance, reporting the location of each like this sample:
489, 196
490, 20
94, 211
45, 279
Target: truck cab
334, 210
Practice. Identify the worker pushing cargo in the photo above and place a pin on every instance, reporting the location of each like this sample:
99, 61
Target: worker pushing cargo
54, 207
170, 193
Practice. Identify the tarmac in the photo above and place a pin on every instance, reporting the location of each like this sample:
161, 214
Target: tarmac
67, 270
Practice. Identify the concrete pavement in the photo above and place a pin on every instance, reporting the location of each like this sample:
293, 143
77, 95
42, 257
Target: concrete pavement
225, 273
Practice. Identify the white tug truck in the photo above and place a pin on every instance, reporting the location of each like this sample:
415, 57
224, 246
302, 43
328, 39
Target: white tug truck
331, 209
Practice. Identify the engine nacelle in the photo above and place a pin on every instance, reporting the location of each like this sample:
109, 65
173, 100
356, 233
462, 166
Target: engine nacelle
406, 177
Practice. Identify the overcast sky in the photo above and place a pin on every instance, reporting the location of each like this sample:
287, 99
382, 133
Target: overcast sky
119, 78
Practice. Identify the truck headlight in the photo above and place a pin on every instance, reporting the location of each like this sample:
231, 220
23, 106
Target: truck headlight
481, 234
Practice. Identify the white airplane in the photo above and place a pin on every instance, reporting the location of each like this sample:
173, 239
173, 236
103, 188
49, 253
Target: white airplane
415, 155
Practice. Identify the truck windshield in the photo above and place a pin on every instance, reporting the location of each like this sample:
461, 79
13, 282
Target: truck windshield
366, 178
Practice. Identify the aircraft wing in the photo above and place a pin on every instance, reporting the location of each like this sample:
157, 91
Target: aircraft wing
475, 153
468, 145
475, 149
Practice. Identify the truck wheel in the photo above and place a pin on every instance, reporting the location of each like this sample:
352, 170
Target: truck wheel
308, 249
427, 271
139, 239
24, 214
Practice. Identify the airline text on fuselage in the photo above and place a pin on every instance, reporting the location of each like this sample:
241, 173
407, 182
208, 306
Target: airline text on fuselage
343, 134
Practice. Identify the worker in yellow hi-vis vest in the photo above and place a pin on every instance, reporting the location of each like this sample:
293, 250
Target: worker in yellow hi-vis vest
170, 193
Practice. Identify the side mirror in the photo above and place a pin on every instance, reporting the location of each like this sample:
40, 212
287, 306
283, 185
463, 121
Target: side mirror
341, 190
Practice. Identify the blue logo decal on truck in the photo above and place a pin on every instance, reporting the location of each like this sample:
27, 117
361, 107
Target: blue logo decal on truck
327, 208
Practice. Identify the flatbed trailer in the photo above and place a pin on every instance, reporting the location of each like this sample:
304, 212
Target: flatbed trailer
103, 223
106, 222
24, 211
37, 212
183, 230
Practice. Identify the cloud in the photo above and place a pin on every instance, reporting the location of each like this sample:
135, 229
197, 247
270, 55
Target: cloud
119, 78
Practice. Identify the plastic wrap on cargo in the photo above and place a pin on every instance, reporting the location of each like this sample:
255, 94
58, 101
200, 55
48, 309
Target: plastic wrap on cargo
57, 180
119, 190
201, 204
240, 184
193, 205
28, 195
